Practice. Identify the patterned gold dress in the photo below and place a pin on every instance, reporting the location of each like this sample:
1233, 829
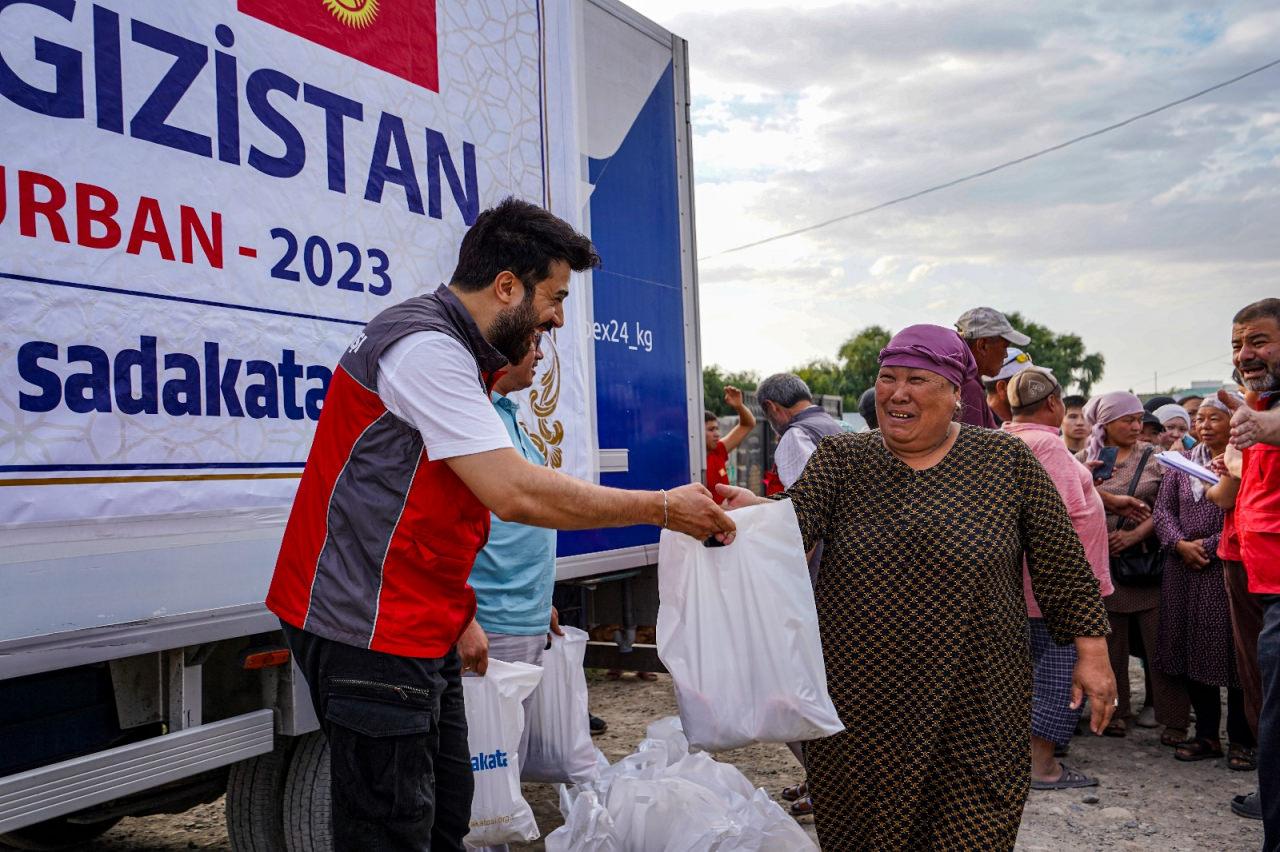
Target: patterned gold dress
924, 632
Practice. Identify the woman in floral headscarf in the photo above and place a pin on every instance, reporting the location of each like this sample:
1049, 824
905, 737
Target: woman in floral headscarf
1195, 638
1115, 420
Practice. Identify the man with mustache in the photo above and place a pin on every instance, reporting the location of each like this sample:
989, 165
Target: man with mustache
409, 458
1255, 346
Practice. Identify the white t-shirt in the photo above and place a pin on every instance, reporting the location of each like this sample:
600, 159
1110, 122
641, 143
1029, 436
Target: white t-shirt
792, 455
429, 380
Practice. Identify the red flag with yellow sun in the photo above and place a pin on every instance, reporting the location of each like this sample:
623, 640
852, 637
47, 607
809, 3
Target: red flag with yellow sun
397, 36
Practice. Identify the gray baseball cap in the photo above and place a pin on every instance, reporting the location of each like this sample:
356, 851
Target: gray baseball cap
988, 322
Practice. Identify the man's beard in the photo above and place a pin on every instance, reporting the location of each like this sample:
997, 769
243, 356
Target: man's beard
1269, 382
512, 330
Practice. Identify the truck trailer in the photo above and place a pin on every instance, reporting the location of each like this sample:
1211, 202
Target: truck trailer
201, 204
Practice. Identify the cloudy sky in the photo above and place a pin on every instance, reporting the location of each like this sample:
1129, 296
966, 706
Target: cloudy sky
1143, 241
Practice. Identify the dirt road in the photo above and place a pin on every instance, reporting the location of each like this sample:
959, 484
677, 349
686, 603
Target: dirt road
1146, 800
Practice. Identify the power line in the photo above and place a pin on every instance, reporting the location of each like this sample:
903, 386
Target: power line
1177, 370
994, 169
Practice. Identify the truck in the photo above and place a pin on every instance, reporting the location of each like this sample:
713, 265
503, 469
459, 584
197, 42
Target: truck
201, 204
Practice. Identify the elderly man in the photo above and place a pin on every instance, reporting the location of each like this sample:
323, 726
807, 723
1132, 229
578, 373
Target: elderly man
788, 406
1255, 346
1035, 400
408, 460
988, 334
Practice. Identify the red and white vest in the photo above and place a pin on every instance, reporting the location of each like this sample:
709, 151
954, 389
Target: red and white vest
381, 539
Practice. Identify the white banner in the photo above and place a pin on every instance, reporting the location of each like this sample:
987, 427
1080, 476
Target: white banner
201, 203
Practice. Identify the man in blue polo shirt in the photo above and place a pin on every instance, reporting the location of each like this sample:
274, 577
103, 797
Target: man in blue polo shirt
514, 575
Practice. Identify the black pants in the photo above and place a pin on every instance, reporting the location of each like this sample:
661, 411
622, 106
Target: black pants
400, 767
1269, 723
1207, 701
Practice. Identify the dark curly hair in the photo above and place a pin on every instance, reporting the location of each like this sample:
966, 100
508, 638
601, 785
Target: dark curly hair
520, 238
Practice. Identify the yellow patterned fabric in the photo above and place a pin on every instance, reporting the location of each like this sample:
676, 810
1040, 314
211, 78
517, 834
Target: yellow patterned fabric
924, 633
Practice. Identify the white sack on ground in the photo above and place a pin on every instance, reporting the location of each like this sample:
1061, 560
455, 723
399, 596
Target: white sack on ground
643, 803
495, 720
757, 824
560, 748
738, 630
587, 827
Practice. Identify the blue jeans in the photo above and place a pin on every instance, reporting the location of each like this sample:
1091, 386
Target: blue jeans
400, 766
1269, 723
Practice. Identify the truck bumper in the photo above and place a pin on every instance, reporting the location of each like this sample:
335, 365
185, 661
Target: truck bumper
73, 785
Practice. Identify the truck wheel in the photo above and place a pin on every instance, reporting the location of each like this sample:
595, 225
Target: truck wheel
255, 793
308, 825
54, 834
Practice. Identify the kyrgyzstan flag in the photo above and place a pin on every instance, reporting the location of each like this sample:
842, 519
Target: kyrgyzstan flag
397, 36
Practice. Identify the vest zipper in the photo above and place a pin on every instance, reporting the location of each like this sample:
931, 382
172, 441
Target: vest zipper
402, 690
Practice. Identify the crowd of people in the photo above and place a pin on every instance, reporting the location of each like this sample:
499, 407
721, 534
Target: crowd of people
984, 560
1163, 546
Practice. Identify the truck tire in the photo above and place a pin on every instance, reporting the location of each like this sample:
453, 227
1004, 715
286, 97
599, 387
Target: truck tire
255, 797
308, 825
55, 834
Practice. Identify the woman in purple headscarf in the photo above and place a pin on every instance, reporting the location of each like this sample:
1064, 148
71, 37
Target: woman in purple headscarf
926, 523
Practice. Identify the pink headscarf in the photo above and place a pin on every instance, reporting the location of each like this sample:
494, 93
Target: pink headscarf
1105, 409
933, 348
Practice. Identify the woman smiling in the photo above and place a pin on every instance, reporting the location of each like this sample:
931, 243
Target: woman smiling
922, 615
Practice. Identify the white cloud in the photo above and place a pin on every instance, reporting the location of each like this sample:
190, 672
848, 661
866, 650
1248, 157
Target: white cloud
1143, 241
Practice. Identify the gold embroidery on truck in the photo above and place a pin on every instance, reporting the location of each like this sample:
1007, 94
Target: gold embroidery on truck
544, 399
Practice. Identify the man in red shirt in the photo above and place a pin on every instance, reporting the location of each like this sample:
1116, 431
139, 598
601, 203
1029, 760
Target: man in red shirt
1255, 346
409, 459
718, 448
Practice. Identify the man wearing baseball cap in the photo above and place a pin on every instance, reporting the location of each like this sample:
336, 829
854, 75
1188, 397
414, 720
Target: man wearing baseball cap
997, 386
988, 333
1035, 399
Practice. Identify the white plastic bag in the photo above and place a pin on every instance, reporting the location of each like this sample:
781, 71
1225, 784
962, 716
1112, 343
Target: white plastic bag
723, 779
756, 824
738, 630
653, 816
495, 720
560, 748
587, 828
670, 733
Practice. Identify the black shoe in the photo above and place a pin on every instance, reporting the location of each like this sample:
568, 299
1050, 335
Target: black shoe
599, 726
1249, 807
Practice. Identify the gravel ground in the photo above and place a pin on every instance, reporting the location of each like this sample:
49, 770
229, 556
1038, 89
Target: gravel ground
1146, 800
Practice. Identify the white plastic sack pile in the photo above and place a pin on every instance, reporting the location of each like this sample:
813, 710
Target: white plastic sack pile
663, 799
738, 630
560, 748
495, 720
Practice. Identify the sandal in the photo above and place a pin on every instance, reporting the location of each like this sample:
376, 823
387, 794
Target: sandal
1069, 779
796, 792
646, 676
1198, 749
1241, 758
1172, 737
1117, 728
613, 674
802, 807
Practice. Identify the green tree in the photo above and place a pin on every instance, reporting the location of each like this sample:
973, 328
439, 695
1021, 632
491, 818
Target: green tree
853, 372
1063, 353
713, 381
